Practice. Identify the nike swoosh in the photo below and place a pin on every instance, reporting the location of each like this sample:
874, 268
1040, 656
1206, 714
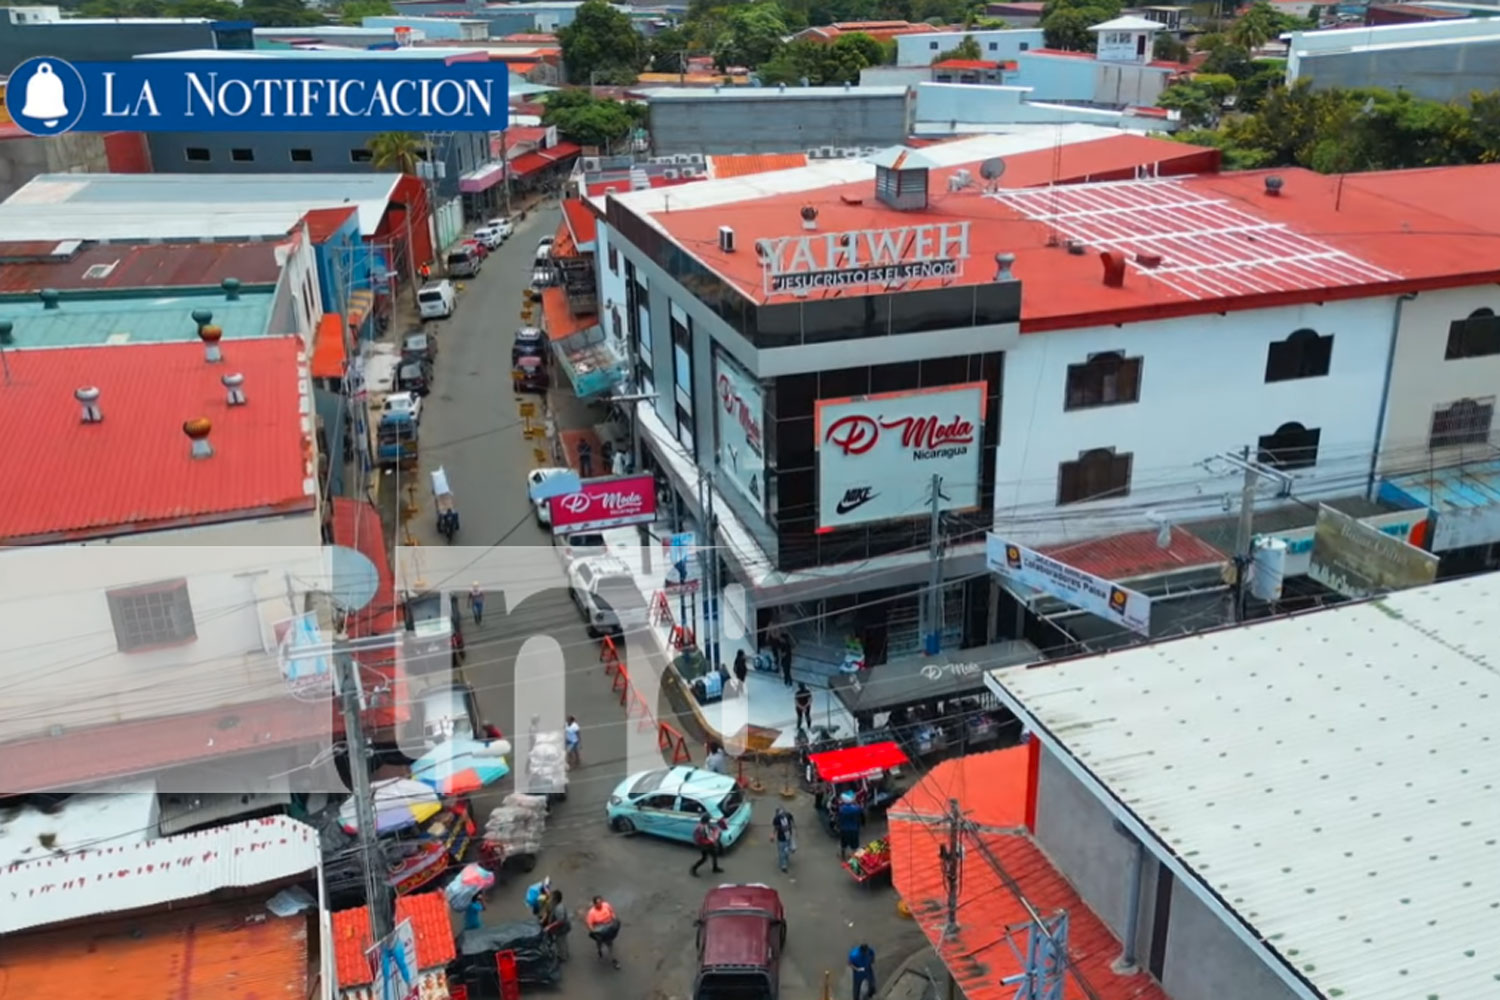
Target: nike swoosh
844, 508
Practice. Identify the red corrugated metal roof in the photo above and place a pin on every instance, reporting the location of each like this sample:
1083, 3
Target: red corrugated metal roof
743, 165
431, 927
621, 184
582, 225
24, 267
328, 347
324, 222
994, 791
134, 471
562, 151
1136, 554
558, 318
528, 163
965, 64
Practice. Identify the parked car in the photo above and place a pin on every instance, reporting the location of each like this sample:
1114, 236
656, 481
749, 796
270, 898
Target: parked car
741, 935
478, 246
667, 803
489, 236
419, 346
543, 508
449, 710
606, 595
582, 545
545, 241
414, 377
403, 404
543, 252
530, 375
503, 224
436, 300
528, 344
463, 262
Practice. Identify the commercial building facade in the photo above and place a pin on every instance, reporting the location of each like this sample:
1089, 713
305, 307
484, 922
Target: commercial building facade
30, 31
729, 120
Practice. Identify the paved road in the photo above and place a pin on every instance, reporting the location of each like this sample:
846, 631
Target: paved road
471, 428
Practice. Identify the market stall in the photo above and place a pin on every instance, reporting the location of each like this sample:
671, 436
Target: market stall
870, 773
871, 862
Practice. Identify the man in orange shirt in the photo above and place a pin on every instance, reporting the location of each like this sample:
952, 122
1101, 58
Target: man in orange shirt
603, 928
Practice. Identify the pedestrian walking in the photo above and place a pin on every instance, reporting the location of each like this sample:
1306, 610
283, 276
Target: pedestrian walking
474, 915
492, 732
476, 603
804, 707
784, 652
850, 818
784, 833
558, 925
604, 927
585, 459
741, 667
706, 835
862, 964
573, 741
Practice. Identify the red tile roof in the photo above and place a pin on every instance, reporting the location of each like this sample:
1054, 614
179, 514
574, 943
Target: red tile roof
581, 224
431, 927
558, 318
1066, 53
994, 790
55, 472
25, 267
328, 347
228, 951
102, 753
966, 64
744, 165
1136, 554
324, 222
1386, 234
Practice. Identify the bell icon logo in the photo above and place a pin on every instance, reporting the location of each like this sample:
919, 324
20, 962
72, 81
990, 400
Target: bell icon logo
50, 95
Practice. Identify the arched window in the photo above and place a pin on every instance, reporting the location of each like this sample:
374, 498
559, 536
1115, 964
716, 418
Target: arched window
1467, 421
1475, 337
1103, 380
1291, 447
1303, 354
1099, 474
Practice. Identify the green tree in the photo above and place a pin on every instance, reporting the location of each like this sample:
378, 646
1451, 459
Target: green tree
354, 12
280, 14
1199, 100
966, 49
1169, 48
399, 151
752, 36
587, 120
601, 39
1068, 28
667, 49
1255, 27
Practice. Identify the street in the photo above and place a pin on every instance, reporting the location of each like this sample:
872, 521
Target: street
471, 428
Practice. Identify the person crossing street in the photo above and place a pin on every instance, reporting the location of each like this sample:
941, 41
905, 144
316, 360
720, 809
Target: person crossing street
706, 835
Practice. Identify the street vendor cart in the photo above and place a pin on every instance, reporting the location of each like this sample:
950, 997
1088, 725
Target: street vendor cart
869, 772
447, 513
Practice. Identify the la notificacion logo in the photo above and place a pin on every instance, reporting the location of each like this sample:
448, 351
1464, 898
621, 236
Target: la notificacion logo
45, 96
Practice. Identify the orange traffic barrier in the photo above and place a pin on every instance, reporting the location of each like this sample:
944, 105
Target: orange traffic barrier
639, 711
621, 684
668, 738
682, 637
661, 609
609, 655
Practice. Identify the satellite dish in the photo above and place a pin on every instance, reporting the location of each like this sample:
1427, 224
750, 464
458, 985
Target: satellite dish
353, 580
992, 169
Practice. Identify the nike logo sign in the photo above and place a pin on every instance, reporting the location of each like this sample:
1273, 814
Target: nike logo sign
854, 499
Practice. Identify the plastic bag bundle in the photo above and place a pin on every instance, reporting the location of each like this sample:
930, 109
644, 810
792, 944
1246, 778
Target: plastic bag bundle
533, 803
470, 883
519, 824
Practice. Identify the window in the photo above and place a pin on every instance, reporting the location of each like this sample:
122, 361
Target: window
242, 154
1096, 475
692, 806
158, 614
1025, 46
301, 156
658, 801
614, 261
1291, 447
197, 154
933, 46
994, 46
360, 156
1303, 354
1104, 380
1465, 422
1475, 337
682, 357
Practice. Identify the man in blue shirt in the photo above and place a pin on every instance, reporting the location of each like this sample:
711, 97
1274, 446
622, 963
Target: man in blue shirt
862, 962
850, 818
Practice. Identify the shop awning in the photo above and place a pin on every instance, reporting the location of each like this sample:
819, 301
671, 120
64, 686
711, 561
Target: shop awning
486, 177
530, 163
916, 680
1465, 498
853, 763
328, 347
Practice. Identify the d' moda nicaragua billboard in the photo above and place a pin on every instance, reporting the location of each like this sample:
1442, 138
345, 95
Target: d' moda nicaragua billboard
611, 502
877, 454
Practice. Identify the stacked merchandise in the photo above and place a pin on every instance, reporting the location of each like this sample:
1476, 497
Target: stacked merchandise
518, 824
546, 765
872, 859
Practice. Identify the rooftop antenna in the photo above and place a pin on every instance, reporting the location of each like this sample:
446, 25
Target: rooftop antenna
992, 170
1054, 234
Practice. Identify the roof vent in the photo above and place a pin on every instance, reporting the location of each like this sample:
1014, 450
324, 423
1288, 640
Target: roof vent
211, 335
726, 239
88, 398
1114, 269
901, 176
49, 297
231, 288
1003, 263
233, 383
1148, 259
5, 336
1273, 186
197, 431
809, 217
202, 317
98, 272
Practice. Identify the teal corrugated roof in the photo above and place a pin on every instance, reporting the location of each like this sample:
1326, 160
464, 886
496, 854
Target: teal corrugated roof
133, 320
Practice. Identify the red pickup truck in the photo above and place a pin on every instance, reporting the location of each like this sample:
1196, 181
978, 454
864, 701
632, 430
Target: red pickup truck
741, 934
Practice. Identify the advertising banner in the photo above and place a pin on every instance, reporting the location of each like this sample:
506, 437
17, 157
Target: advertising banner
1084, 591
741, 446
821, 261
877, 454
47, 96
605, 503
1357, 560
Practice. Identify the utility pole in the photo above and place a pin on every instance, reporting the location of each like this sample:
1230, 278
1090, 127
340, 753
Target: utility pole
951, 856
382, 918
1245, 537
932, 638
711, 608
505, 164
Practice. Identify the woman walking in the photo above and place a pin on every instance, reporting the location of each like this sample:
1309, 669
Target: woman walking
604, 927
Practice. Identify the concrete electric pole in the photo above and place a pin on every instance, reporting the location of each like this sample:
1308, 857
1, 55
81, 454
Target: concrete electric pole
932, 633
351, 691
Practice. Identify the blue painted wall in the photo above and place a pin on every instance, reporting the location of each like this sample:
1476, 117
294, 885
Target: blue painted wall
345, 263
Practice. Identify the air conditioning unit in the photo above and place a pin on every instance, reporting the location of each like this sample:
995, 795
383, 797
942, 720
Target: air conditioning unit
726, 239
696, 158
828, 153
682, 158
669, 174
590, 164
689, 172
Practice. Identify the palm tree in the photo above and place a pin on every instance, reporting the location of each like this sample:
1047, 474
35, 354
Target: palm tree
396, 150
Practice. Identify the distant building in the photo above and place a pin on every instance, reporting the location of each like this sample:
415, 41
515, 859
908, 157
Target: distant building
1437, 59
342, 36
968, 109
435, 29
1377, 15
882, 31
973, 71
1122, 73
504, 18
1016, 15
29, 31
24, 156
775, 119
1000, 45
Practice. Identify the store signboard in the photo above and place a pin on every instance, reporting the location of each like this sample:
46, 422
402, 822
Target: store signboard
817, 260
738, 420
1405, 525
611, 502
394, 962
1069, 584
1359, 561
877, 454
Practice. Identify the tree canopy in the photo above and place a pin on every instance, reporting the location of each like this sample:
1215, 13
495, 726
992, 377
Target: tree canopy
823, 63
966, 49
752, 35
589, 120
601, 41
1066, 23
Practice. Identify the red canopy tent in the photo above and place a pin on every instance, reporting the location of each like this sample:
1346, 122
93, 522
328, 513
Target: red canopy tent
853, 763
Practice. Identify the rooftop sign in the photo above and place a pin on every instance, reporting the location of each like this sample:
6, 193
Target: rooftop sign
47, 96
861, 257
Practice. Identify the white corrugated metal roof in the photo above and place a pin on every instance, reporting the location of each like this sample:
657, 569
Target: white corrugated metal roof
125, 815
129, 876
765, 93
1331, 776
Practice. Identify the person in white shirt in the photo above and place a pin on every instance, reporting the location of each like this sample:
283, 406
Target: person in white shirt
573, 739
717, 760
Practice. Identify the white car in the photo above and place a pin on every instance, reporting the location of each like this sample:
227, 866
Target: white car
489, 236
543, 253
543, 507
606, 595
403, 404
545, 241
581, 545
503, 225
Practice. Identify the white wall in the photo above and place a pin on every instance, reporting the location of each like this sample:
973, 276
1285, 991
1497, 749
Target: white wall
894, 76
60, 661
1057, 78
611, 290
1422, 381
996, 46
299, 282
1203, 392
1347, 39
966, 105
